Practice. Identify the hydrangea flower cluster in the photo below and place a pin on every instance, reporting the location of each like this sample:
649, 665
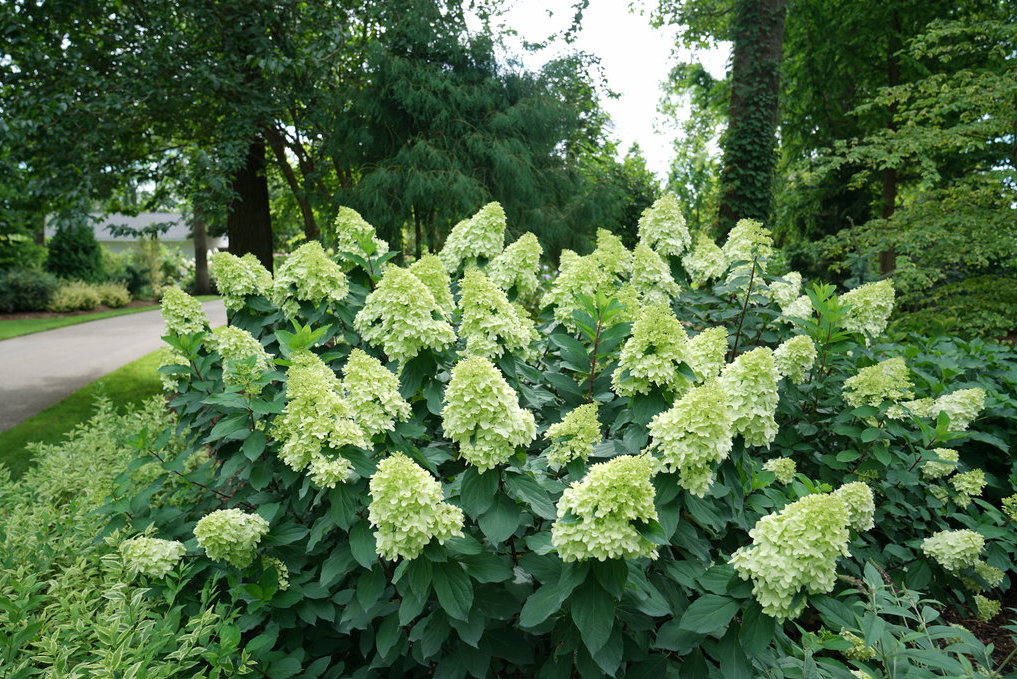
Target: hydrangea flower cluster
962, 406
483, 416
244, 359
969, 484
596, 515
785, 292
747, 239
237, 277
577, 276
693, 436
795, 549
860, 504
308, 275
574, 437
1009, 507
751, 384
151, 556
871, 305
282, 573
611, 254
795, 357
350, 228
705, 262
651, 355
316, 416
801, 307
945, 467
987, 608
516, 267
662, 227
231, 535
886, 381
401, 317
954, 549
408, 509
480, 236
704, 353
783, 468
992, 575
432, 274
182, 313
490, 323
651, 276
859, 650
372, 392
168, 356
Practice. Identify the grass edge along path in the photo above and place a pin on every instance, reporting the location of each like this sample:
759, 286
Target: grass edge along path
128, 385
28, 326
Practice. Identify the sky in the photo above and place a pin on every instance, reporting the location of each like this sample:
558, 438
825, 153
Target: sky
635, 58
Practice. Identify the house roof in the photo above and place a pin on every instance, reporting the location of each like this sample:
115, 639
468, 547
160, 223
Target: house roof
178, 228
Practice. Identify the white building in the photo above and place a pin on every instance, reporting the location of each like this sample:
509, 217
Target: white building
177, 235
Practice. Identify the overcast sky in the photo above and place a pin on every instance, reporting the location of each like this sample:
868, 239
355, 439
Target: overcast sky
636, 59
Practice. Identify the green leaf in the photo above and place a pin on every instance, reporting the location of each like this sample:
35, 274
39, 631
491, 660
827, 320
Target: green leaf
254, 445
478, 491
651, 531
526, 488
284, 668
709, 613
338, 564
486, 567
540, 605
572, 350
757, 630
362, 544
454, 589
501, 520
871, 434
342, 506
592, 612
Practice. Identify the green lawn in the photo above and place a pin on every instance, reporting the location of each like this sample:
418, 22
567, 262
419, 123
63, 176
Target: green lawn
130, 384
28, 326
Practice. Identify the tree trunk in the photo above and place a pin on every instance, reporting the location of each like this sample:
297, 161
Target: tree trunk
249, 222
201, 283
311, 230
751, 138
888, 257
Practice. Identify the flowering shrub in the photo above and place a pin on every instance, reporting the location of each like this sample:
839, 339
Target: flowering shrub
641, 476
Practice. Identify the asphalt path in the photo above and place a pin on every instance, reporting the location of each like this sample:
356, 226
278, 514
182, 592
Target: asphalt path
39, 370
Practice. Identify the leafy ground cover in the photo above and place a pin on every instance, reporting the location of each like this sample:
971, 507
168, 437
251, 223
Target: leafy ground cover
670, 459
126, 386
16, 325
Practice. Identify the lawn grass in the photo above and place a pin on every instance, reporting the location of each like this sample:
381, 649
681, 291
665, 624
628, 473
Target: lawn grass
27, 326
130, 384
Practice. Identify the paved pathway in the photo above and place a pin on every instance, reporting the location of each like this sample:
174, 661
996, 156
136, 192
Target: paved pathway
39, 370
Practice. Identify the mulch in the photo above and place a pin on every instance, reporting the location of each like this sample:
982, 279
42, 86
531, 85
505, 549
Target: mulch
25, 315
992, 632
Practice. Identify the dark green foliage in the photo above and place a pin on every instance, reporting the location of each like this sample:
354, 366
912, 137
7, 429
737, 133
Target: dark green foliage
25, 290
981, 306
75, 254
18, 251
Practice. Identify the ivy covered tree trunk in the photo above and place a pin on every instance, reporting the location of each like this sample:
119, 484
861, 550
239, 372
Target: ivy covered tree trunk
249, 222
888, 257
750, 141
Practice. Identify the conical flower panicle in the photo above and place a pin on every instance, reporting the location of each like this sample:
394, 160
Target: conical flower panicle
751, 384
490, 323
349, 228
372, 393
662, 227
237, 277
182, 313
651, 355
579, 431
308, 275
516, 267
482, 236
651, 276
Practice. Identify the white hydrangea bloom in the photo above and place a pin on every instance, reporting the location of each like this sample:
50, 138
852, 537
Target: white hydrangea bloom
946, 466
579, 276
408, 509
316, 417
651, 355
993, 576
237, 277
871, 306
783, 468
432, 274
483, 416
706, 262
969, 484
490, 323
574, 437
651, 276
987, 608
611, 254
231, 535
801, 307
859, 650
349, 229
402, 318
795, 357
786, 291
480, 236
308, 275
705, 352
372, 392
962, 406
169, 356
748, 238
796, 549
662, 227
244, 358
693, 436
889, 380
596, 515
751, 383
954, 549
151, 556
860, 504
516, 267
182, 313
